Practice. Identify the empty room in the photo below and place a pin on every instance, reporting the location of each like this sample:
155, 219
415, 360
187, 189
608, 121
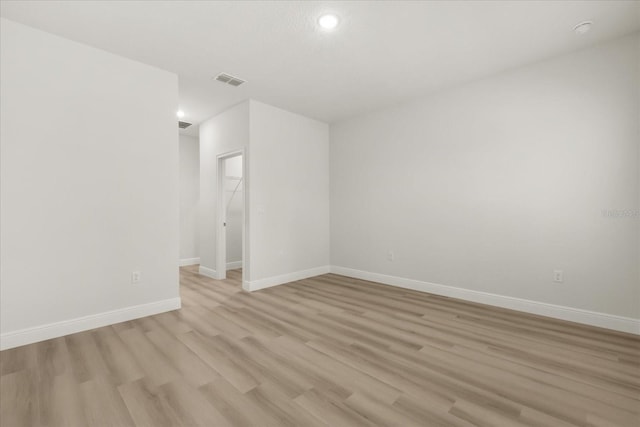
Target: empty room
319, 213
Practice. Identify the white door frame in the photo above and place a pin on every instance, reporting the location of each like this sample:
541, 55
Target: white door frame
221, 232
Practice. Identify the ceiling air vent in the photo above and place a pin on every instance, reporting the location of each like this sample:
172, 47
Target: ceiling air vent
183, 125
229, 79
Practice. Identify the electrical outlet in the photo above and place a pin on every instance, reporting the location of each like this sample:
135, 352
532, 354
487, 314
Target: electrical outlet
558, 276
391, 256
136, 276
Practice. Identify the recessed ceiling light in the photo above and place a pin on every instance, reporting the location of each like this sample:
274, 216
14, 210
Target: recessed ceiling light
180, 114
583, 27
328, 22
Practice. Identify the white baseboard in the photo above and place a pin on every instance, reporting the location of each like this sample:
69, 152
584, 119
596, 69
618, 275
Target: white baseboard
234, 264
189, 261
79, 324
268, 282
209, 272
593, 318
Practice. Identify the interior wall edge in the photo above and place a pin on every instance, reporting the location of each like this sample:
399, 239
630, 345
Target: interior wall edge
232, 265
58, 329
282, 279
586, 317
208, 272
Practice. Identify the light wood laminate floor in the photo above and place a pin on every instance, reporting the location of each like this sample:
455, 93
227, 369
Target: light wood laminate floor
325, 351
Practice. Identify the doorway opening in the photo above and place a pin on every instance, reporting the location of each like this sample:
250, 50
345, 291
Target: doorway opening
230, 250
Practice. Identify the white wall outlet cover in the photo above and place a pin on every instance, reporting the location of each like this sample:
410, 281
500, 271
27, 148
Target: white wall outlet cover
558, 276
136, 276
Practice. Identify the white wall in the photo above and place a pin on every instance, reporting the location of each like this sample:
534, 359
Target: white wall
226, 132
287, 182
491, 186
89, 186
189, 197
234, 188
289, 194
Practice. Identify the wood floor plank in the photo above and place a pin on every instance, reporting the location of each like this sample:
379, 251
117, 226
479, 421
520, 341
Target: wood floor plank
378, 413
18, 398
154, 364
190, 366
355, 380
190, 406
147, 404
103, 405
59, 401
325, 351
16, 359
232, 369
117, 356
85, 359
478, 415
235, 406
428, 412
334, 412
287, 412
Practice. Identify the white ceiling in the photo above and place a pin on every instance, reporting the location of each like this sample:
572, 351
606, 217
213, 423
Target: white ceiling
383, 52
